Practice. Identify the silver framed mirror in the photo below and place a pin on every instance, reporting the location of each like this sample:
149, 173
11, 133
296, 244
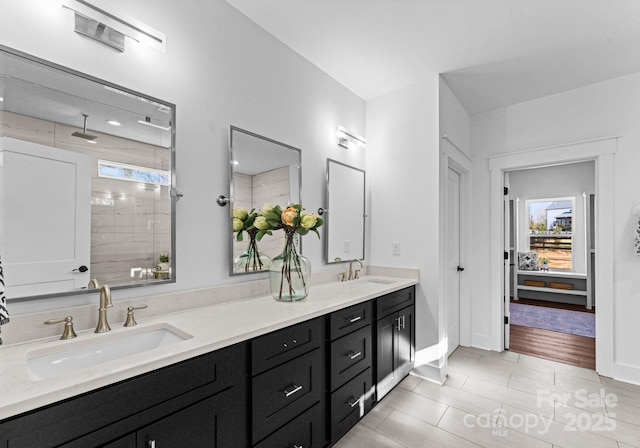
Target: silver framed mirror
262, 171
86, 175
346, 212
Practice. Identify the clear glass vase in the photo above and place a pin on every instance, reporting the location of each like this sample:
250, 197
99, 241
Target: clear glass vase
251, 260
289, 273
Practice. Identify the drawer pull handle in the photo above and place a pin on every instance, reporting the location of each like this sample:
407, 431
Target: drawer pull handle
151, 443
354, 402
285, 345
288, 393
355, 319
354, 355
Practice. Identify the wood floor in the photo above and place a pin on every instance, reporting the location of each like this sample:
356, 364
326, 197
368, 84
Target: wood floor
565, 348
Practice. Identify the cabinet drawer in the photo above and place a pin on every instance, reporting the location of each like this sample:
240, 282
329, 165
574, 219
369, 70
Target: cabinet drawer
284, 392
350, 355
280, 346
395, 301
350, 403
305, 431
350, 319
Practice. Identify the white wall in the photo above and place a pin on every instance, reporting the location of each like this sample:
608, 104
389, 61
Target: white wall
562, 181
403, 170
219, 69
600, 110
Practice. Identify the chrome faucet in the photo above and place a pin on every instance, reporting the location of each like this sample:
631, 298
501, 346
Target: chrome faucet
354, 275
105, 303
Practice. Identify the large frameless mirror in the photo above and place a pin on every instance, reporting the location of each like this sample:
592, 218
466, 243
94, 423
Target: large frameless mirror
345, 217
86, 175
263, 171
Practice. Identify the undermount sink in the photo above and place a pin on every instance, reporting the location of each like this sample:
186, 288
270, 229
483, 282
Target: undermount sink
379, 280
367, 283
79, 354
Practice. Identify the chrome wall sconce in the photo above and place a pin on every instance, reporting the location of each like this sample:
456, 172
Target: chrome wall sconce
97, 20
349, 139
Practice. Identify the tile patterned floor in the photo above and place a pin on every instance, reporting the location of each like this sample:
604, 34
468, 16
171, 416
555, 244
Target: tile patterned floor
504, 400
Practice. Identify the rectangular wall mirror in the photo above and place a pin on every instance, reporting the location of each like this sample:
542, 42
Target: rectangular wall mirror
262, 171
345, 215
86, 174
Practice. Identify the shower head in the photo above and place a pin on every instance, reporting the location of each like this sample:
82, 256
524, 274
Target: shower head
83, 135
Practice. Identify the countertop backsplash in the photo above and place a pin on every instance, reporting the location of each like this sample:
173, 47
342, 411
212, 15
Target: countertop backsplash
29, 326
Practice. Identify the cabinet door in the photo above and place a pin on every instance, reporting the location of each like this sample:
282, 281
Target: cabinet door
406, 342
386, 354
209, 423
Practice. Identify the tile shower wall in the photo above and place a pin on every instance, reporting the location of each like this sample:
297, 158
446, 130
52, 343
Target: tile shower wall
130, 222
252, 192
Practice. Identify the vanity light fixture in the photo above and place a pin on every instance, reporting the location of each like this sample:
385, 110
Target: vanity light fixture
147, 122
98, 20
349, 139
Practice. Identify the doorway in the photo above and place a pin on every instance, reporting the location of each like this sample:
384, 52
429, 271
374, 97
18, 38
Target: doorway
551, 302
601, 151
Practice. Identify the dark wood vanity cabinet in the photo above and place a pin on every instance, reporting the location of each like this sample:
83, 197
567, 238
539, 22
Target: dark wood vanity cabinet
304, 385
395, 339
202, 400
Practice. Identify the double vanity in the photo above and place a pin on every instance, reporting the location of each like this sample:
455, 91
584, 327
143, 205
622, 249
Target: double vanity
249, 372
224, 366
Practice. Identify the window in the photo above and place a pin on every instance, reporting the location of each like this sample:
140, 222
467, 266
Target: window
551, 231
132, 173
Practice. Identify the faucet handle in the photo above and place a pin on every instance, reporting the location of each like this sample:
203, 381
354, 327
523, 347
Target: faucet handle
355, 275
343, 276
131, 321
68, 332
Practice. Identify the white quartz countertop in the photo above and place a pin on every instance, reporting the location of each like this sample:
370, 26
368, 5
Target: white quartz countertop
210, 328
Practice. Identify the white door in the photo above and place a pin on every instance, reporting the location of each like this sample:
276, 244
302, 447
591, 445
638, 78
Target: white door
507, 260
452, 260
47, 218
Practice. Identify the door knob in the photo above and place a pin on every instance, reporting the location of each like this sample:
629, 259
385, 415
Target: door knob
460, 269
82, 268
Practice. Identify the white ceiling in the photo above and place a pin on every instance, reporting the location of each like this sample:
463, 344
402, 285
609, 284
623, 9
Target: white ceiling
492, 53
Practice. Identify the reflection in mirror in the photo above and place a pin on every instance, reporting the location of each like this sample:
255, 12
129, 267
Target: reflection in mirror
262, 171
345, 221
85, 180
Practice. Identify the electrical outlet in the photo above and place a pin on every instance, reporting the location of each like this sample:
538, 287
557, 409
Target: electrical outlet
395, 247
346, 248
